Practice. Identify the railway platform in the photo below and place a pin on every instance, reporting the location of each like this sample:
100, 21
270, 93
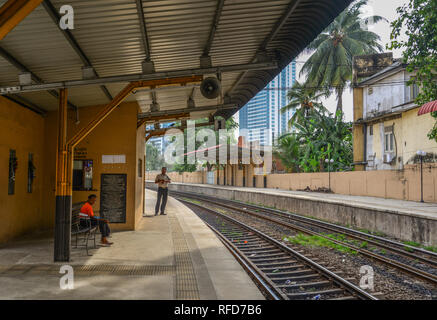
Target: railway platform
168, 257
404, 220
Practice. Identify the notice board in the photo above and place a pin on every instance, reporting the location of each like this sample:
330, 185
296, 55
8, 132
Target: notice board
113, 197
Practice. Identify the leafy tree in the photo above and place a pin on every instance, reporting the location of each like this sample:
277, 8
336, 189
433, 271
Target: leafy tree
318, 136
287, 150
154, 160
302, 101
330, 66
418, 19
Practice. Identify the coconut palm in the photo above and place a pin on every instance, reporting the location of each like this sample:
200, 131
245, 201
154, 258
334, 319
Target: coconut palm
302, 101
330, 66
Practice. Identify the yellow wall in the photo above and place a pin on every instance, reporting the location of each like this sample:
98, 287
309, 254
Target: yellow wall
23, 131
390, 184
358, 133
415, 132
411, 133
116, 135
139, 179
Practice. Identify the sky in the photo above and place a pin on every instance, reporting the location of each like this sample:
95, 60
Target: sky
384, 8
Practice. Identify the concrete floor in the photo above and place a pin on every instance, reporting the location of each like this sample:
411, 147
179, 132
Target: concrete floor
27, 270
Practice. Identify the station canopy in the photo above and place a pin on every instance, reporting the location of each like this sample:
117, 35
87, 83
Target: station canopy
245, 43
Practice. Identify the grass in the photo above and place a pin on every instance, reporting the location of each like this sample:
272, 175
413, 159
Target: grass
192, 201
418, 245
317, 241
374, 233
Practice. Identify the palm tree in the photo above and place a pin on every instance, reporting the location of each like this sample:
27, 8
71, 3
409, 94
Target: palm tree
302, 101
330, 66
287, 150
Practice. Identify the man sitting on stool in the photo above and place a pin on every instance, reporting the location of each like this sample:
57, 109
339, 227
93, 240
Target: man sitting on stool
87, 209
162, 180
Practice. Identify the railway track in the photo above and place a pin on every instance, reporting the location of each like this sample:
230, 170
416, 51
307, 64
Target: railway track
399, 257
281, 272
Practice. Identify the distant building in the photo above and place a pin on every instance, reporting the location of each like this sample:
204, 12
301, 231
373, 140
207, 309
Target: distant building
160, 143
387, 128
263, 111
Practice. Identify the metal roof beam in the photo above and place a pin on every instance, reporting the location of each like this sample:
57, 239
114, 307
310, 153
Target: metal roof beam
139, 77
280, 23
263, 46
13, 12
72, 41
143, 29
218, 13
17, 64
158, 114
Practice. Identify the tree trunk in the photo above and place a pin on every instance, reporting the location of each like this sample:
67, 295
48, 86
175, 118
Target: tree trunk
339, 99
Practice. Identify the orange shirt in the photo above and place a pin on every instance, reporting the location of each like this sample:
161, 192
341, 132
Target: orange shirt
87, 209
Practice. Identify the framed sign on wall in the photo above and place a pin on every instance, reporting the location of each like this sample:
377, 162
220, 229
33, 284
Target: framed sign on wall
113, 197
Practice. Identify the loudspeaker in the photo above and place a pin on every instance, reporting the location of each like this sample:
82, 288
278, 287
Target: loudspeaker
210, 88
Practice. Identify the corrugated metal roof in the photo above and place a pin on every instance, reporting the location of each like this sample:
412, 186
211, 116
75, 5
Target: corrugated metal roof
108, 32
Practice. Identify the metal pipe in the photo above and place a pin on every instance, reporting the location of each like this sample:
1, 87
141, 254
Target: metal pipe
139, 77
53, 13
186, 110
421, 179
143, 29
214, 26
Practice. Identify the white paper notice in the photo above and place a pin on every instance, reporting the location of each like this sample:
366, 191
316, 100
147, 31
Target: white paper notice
120, 158
107, 159
111, 159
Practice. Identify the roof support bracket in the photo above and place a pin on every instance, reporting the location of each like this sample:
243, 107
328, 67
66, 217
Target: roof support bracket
148, 66
88, 72
205, 62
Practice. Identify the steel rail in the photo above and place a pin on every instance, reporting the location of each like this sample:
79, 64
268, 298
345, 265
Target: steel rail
375, 240
399, 265
352, 233
254, 272
342, 283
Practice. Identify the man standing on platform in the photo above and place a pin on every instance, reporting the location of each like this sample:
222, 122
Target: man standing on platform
162, 180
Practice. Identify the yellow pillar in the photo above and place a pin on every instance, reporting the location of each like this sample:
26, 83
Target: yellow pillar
358, 129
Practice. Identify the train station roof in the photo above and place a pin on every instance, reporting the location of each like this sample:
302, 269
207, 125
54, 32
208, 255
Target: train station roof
248, 42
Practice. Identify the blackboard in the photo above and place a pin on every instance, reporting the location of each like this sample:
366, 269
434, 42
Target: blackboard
113, 197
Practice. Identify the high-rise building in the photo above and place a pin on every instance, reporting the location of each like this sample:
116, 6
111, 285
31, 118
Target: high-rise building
160, 143
264, 110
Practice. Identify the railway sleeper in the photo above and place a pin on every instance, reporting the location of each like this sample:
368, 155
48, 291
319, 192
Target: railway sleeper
263, 248
298, 295
279, 263
284, 276
254, 256
285, 268
284, 271
261, 259
273, 251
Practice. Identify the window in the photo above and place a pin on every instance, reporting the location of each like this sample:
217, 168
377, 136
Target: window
140, 168
414, 91
82, 175
389, 142
30, 173
12, 171
371, 130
